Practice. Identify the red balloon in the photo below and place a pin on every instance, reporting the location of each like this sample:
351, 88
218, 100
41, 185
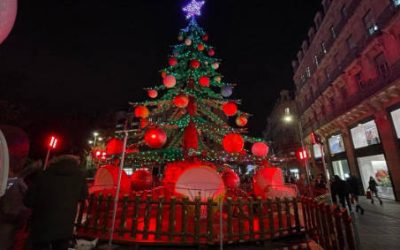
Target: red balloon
233, 143
231, 179
259, 149
181, 101
211, 52
155, 137
152, 93
114, 146
229, 108
194, 64
200, 47
241, 121
205, 37
141, 112
172, 61
141, 180
204, 81
169, 81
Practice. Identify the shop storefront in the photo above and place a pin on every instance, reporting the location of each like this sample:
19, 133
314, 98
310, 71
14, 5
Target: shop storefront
370, 157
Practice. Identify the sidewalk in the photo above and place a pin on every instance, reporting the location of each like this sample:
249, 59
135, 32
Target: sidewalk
379, 227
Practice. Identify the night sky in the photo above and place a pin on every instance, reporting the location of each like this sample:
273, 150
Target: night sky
69, 60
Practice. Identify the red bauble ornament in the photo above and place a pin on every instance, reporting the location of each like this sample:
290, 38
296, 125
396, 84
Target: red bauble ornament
215, 65
141, 180
231, 179
163, 74
204, 81
233, 143
114, 146
205, 37
169, 81
259, 149
155, 137
194, 64
229, 108
200, 47
143, 122
181, 101
241, 121
152, 93
172, 61
141, 112
211, 52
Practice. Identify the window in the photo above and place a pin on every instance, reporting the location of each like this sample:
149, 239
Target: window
336, 144
369, 22
333, 33
308, 71
323, 48
341, 168
396, 3
382, 66
316, 59
396, 121
365, 134
317, 151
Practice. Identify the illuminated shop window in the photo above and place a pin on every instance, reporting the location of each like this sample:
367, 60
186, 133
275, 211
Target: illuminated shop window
336, 144
365, 134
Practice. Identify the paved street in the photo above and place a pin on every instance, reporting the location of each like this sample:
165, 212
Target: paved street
379, 227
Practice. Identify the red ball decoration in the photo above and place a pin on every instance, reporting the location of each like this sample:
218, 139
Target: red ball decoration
200, 47
229, 108
194, 64
163, 74
172, 61
141, 112
181, 101
205, 37
230, 178
259, 149
241, 121
155, 137
233, 143
114, 146
169, 81
141, 180
204, 81
211, 52
152, 93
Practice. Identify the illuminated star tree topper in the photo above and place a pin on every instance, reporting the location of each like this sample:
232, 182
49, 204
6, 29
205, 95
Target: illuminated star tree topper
193, 9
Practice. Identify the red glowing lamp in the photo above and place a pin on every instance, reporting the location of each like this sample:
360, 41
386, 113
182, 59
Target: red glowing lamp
302, 154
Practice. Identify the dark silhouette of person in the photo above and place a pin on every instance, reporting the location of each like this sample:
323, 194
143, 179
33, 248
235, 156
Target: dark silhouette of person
54, 199
373, 187
341, 189
354, 185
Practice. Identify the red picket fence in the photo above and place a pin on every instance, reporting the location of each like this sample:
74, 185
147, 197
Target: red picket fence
143, 219
328, 224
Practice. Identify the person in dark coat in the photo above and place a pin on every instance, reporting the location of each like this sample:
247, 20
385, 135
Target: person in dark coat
372, 186
341, 189
54, 199
354, 185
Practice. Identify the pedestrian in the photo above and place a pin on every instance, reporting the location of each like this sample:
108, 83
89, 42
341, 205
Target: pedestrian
354, 185
54, 199
341, 189
320, 182
373, 187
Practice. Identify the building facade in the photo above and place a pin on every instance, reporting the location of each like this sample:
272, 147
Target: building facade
347, 77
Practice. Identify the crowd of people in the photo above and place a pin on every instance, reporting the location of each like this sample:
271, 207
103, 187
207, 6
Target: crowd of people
39, 207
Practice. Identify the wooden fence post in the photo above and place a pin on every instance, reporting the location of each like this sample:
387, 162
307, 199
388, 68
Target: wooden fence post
123, 216
210, 220
349, 230
241, 217
279, 211
97, 213
159, 217
135, 216
147, 215
296, 215
106, 214
251, 217
185, 202
229, 219
261, 218
323, 217
197, 209
171, 222
270, 212
331, 227
339, 227
288, 217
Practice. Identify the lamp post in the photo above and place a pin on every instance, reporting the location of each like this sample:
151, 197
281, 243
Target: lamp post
288, 118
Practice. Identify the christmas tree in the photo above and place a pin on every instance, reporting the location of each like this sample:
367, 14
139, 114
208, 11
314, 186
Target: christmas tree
188, 116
